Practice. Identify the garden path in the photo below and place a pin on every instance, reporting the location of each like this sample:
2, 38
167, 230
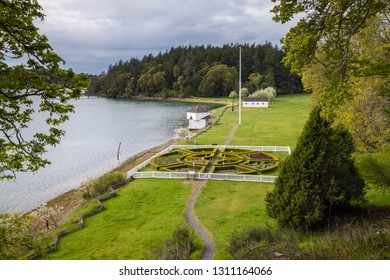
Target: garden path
192, 219
232, 132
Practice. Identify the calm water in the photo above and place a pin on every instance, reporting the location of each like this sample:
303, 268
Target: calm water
90, 146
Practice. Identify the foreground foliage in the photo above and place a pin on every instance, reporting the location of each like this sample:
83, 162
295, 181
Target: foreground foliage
375, 168
31, 81
179, 246
349, 241
18, 237
342, 50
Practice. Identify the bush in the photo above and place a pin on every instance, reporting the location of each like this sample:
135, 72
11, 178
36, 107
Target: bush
263, 242
179, 246
104, 183
363, 240
19, 236
269, 93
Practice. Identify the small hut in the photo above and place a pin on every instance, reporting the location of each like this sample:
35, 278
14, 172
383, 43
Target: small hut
198, 117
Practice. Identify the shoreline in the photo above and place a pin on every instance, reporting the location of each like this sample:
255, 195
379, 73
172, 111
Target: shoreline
72, 199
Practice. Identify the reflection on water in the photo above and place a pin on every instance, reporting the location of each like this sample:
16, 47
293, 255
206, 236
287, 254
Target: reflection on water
90, 146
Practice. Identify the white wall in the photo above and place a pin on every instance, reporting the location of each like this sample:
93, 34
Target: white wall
259, 104
197, 124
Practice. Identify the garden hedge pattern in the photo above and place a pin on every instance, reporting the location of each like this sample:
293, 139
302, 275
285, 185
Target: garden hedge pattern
225, 160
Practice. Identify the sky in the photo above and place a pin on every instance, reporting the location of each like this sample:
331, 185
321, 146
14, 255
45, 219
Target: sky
92, 34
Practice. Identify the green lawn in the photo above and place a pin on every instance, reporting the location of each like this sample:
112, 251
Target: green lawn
219, 132
279, 125
144, 213
227, 206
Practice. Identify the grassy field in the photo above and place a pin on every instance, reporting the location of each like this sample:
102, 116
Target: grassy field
278, 125
146, 211
143, 214
234, 206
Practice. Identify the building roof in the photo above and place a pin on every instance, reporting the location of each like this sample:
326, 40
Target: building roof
254, 99
198, 109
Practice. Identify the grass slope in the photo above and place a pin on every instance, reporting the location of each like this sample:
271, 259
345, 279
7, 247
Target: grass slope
144, 213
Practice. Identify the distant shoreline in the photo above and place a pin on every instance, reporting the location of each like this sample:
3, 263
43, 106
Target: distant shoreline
175, 99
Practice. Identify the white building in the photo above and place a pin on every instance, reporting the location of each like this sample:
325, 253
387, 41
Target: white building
198, 117
260, 102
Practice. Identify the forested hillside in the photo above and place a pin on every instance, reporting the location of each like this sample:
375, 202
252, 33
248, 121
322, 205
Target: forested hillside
198, 71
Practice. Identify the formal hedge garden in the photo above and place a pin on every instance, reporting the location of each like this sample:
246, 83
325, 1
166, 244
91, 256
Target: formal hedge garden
214, 160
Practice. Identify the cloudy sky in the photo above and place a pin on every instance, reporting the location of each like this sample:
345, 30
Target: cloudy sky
91, 34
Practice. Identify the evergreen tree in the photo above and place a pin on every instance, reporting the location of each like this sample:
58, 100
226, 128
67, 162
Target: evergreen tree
319, 175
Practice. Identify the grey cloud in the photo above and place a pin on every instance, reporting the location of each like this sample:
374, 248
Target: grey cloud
90, 35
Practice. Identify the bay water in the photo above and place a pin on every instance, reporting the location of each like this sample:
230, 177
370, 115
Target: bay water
90, 146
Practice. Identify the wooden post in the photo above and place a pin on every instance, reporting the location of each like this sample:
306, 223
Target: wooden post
119, 149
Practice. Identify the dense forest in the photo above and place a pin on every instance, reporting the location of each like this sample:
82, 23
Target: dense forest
198, 71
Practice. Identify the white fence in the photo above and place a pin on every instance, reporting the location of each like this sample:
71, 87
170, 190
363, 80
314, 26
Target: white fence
207, 176
256, 148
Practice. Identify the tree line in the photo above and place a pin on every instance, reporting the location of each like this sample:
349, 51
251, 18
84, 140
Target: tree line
206, 71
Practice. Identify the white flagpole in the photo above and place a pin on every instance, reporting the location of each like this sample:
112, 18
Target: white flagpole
239, 92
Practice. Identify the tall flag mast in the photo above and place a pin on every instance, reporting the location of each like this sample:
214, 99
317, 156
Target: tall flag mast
239, 91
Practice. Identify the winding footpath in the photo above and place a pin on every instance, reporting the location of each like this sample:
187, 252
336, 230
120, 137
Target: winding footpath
192, 219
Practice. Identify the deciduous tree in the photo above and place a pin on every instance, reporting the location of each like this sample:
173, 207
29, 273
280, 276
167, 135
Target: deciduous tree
375, 168
329, 27
219, 80
17, 237
30, 72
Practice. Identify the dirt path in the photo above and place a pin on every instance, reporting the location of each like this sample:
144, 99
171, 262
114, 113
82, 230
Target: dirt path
192, 219
232, 132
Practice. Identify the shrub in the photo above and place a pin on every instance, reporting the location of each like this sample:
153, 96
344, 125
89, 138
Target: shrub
263, 242
19, 236
363, 240
102, 184
179, 246
268, 92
